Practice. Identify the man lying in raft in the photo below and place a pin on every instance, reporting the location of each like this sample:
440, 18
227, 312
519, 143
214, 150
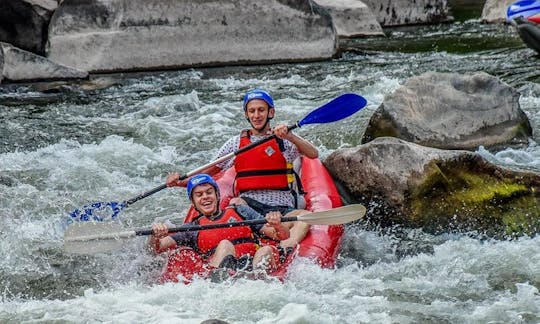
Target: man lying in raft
223, 247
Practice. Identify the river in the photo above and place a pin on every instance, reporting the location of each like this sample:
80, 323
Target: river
62, 149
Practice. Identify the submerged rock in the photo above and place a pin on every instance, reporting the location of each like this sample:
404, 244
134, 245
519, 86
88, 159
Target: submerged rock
91, 84
20, 65
439, 190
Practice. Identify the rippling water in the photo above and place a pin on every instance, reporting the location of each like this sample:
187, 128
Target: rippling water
65, 148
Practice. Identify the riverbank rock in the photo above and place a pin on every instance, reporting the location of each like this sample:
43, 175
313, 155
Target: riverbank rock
20, 65
495, 10
93, 83
452, 111
406, 12
439, 190
128, 35
24, 23
352, 18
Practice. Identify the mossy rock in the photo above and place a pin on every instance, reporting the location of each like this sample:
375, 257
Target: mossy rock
467, 196
407, 184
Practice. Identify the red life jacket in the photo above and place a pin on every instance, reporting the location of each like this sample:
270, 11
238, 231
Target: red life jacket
241, 236
262, 167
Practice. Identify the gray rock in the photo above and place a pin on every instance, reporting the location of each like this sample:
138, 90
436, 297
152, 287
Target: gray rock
19, 65
124, 35
384, 166
452, 111
90, 84
495, 10
24, 23
352, 18
214, 321
407, 12
1, 64
7, 181
439, 190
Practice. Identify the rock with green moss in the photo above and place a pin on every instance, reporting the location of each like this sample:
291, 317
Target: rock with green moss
438, 190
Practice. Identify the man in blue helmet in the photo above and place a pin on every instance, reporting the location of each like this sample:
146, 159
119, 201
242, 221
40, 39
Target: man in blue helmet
264, 173
221, 247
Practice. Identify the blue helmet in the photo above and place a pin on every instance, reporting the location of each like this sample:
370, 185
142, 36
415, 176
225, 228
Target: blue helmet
258, 94
200, 179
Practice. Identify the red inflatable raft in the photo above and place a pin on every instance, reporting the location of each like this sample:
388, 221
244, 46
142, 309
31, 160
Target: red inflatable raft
321, 244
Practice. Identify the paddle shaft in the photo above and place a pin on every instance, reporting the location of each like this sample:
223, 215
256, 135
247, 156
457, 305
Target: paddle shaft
184, 228
206, 166
190, 228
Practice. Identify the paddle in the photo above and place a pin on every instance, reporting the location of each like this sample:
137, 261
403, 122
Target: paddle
336, 109
95, 237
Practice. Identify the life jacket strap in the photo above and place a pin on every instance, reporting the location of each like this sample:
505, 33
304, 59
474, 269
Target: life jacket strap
263, 172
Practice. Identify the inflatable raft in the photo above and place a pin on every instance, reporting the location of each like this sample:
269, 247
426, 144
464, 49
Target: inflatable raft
320, 245
525, 16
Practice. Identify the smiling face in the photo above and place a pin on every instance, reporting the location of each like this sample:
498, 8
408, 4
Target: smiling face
204, 198
258, 113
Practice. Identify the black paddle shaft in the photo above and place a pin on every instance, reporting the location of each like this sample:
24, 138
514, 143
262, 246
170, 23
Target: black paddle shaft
189, 228
145, 194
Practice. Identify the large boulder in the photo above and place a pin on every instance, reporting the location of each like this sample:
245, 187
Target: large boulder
452, 111
124, 35
406, 12
439, 190
19, 65
24, 23
352, 18
495, 10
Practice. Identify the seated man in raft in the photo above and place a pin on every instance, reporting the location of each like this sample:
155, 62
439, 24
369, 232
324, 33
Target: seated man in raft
222, 247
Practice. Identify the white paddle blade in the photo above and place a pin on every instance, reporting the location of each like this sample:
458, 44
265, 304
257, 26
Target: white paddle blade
336, 216
94, 237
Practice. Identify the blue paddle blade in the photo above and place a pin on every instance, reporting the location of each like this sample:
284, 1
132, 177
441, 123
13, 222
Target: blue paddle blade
99, 211
337, 109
